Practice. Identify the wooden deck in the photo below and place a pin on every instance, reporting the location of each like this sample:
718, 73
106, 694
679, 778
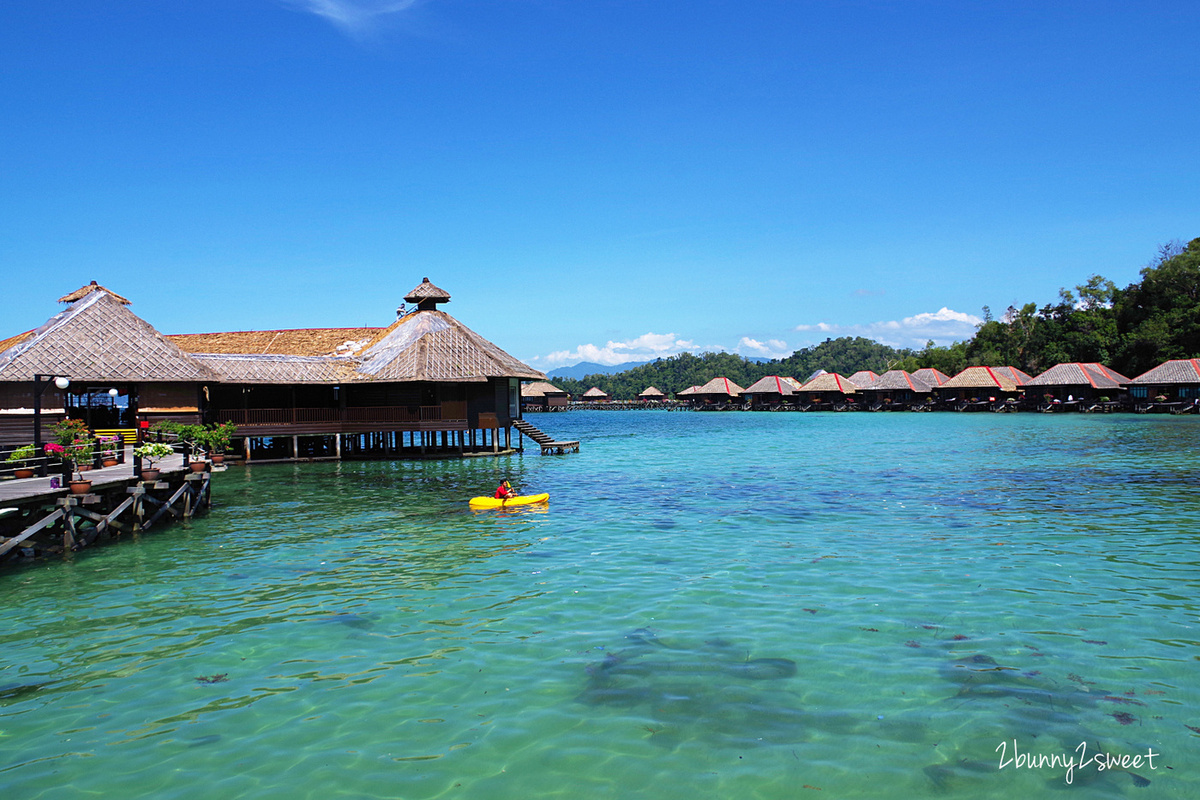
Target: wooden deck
37, 518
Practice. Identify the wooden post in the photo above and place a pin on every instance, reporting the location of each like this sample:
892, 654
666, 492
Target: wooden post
246, 448
337, 446
295, 448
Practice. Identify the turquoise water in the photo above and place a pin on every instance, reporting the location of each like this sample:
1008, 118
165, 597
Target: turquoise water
712, 605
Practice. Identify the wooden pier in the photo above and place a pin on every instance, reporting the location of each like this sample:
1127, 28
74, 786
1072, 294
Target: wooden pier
37, 518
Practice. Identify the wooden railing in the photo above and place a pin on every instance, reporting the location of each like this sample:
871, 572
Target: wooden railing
294, 416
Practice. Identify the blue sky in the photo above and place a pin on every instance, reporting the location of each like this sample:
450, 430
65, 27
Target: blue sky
602, 180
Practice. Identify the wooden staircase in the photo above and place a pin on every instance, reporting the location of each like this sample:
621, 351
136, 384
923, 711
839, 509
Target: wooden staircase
547, 442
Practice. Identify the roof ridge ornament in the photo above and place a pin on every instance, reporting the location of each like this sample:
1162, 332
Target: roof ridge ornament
427, 296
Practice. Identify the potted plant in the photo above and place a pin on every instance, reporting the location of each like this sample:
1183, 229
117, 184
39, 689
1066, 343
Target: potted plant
217, 438
22, 456
151, 452
194, 436
108, 449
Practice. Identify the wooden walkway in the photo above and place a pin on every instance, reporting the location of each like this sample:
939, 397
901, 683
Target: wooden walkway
38, 519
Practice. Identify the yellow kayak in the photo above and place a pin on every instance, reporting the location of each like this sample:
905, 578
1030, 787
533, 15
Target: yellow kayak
519, 500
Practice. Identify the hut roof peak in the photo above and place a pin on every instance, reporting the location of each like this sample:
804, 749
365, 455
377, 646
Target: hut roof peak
84, 291
427, 296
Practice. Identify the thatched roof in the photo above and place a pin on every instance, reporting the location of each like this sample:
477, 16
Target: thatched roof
84, 291
13, 341
301, 342
898, 380
863, 378
266, 368
1179, 371
650, 391
830, 382
422, 346
688, 391
772, 384
595, 392
986, 378
540, 389
1013, 374
1094, 375
434, 346
934, 377
97, 338
720, 386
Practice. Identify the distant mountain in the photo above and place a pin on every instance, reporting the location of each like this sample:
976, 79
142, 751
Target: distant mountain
578, 371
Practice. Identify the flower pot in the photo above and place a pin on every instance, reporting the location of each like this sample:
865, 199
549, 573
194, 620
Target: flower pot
80, 487
83, 467
110, 462
23, 473
217, 458
198, 466
150, 474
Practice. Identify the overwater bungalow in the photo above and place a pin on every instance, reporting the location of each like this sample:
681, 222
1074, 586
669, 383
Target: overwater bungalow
543, 396
595, 395
1077, 386
651, 395
897, 390
863, 378
984, 389
298, 393
828, 391
719, 394
769, 393
1173, 386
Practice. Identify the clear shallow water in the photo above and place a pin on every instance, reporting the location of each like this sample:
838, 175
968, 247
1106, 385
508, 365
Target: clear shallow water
717, 605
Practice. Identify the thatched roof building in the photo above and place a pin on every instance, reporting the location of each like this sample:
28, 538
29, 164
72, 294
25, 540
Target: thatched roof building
1178, 381
422, 362
771, 385
1177, 373
897, 389
830, 382
770, 390
651, 393
720, 388
596, 395
543, 394
975, 379
1081, 377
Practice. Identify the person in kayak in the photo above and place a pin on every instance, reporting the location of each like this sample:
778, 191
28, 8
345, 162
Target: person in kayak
504, 491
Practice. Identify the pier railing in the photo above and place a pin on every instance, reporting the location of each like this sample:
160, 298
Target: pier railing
250, 417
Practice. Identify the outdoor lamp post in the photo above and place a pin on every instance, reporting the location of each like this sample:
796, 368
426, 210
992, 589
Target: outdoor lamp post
40, 384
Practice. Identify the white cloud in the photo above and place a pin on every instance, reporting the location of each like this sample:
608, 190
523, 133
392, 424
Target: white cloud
943, 326
646, 347
772, 348
355, 17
